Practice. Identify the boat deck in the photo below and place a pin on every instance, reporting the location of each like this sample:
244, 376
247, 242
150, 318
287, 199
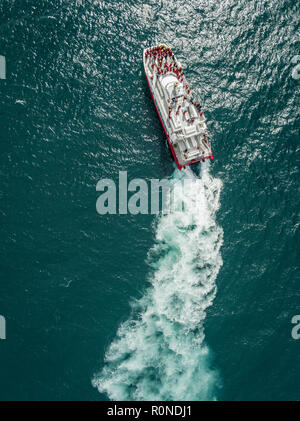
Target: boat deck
180, 115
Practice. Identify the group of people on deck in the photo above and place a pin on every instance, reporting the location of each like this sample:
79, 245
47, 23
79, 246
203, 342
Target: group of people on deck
160, 53
174, 101
172, 105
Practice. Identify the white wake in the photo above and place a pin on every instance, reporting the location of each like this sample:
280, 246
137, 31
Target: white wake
160, 353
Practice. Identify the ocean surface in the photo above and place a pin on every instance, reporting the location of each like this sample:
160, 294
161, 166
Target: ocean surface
180, 306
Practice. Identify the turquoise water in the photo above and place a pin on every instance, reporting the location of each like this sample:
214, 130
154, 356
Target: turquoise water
197, 306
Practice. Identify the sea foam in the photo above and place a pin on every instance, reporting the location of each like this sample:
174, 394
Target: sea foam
160, 352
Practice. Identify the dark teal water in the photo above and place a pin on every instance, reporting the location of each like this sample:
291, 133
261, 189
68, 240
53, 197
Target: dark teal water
75, 108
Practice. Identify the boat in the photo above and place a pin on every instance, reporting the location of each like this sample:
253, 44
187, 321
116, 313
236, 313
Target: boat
180, 114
